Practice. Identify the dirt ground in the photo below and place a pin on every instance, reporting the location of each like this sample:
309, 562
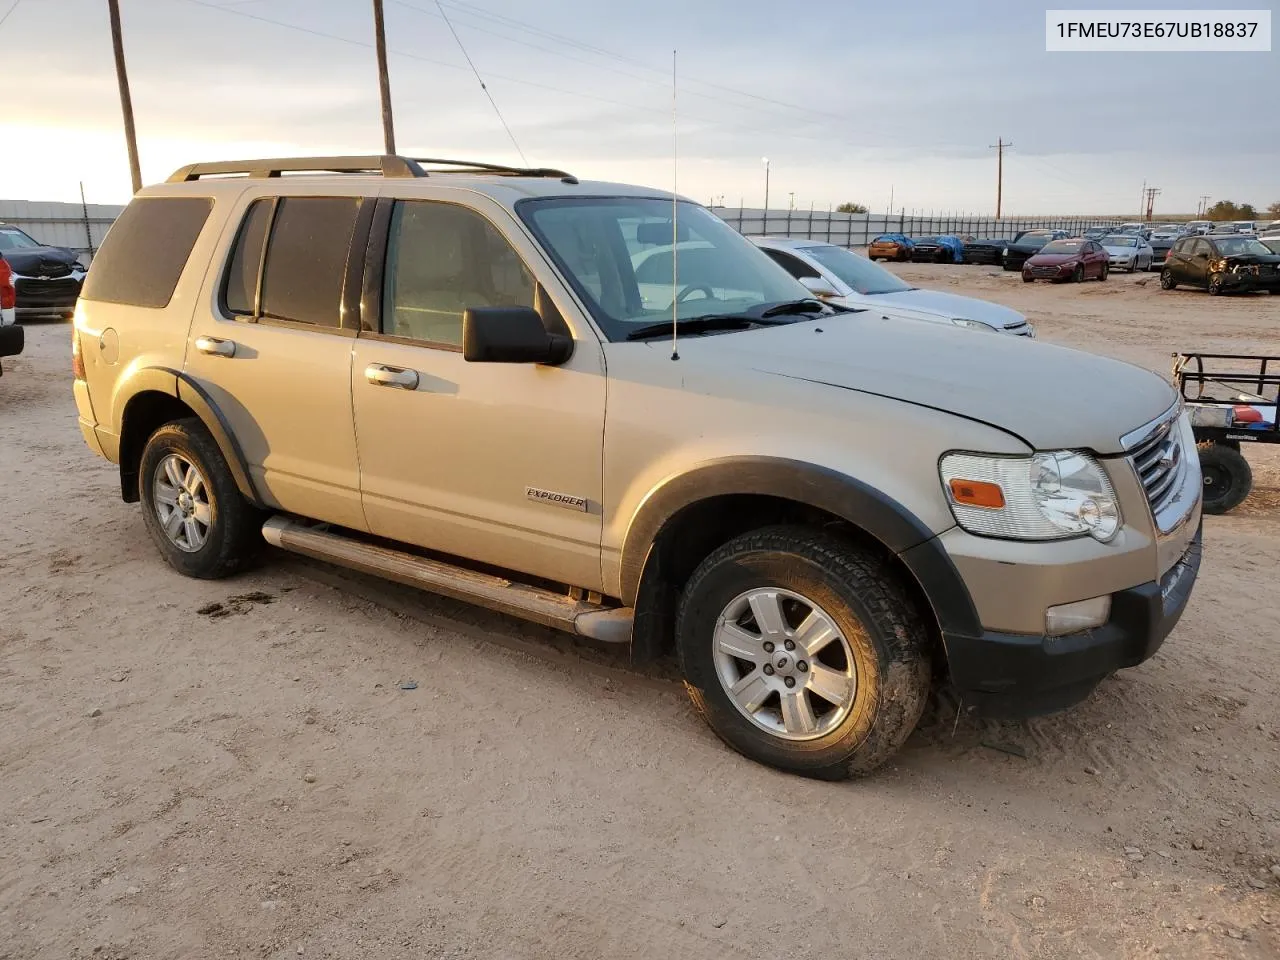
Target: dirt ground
254, 780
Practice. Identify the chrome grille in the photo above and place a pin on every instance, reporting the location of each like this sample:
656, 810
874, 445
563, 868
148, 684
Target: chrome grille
1160, 461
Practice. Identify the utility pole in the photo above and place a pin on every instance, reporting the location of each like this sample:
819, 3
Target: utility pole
1151, 194
1142, 202
998, 147
766, 183
384, 83
1204, 205
126, 102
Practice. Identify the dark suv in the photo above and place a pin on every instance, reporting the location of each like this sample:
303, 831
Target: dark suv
1222, 263
46, 280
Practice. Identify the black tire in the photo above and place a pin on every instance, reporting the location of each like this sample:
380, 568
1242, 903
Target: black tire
234, 536
1077, 275
885, 631
1227, 477
1102, 274
1167, 282
1215, 284
1026, 278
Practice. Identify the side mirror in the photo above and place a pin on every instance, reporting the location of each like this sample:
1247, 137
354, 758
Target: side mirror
820, 288
511, 335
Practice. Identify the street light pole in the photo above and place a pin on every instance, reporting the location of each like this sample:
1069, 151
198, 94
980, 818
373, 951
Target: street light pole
126, 102
766, 183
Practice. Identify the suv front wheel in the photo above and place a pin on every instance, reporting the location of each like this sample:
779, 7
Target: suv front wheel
191, 505
803, 652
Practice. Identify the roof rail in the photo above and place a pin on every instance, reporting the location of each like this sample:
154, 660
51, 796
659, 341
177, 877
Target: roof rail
500, 169
386, 165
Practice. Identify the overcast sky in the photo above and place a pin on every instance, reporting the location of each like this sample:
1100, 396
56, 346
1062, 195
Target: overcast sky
849, 100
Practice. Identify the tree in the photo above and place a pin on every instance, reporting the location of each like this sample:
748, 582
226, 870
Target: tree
1274, 209
1227, 210
850, 207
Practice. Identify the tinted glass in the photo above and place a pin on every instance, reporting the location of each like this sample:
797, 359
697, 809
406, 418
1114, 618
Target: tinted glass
857, 272
241, 287
145, 250
1241, 246
441, 259
793, 265
307, 259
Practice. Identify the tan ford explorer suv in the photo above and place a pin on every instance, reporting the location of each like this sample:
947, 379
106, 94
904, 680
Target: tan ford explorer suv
600, 408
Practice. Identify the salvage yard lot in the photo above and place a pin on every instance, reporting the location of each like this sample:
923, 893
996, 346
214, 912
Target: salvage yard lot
232, 769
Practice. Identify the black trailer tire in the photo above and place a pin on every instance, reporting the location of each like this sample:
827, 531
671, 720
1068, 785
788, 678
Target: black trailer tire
876, 654
229, 537
1227, 477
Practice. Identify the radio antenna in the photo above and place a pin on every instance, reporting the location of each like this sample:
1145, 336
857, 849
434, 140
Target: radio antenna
675, 231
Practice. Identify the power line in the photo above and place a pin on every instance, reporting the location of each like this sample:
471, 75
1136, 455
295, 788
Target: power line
480, 80
9, 12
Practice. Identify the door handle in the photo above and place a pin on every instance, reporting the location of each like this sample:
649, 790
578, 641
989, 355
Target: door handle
215, 347
381, 375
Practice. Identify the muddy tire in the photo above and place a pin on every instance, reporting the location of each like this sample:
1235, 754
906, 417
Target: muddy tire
803, 651
191, 506
1227, 477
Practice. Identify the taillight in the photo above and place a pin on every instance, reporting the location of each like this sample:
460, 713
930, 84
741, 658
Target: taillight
77, 359
8, 296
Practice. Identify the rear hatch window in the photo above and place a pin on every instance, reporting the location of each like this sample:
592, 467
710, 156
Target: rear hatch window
145, 251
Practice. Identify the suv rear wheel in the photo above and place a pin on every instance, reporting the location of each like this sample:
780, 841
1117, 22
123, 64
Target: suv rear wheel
802, 652
190, 503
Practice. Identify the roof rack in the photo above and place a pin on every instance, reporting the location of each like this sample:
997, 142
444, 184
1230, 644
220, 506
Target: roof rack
386, 165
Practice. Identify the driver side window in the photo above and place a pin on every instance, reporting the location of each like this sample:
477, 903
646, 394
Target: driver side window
441, 259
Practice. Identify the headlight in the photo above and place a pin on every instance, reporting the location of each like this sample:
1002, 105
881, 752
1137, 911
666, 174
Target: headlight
1048, 496
1004, 252
970, 324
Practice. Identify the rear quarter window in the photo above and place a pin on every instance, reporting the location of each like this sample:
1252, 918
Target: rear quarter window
145, 251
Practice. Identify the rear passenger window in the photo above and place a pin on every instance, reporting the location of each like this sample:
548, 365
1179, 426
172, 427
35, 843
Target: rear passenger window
240, 293
441, 259
145, 250
307, 259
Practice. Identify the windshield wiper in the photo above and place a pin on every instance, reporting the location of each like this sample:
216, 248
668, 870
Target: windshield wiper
808, 305
708, 323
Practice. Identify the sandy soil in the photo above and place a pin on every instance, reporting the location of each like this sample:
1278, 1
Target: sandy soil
183, 784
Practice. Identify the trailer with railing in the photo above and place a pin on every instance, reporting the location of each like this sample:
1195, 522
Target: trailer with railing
1233, 399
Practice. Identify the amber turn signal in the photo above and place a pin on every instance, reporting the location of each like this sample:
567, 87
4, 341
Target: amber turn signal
977, 493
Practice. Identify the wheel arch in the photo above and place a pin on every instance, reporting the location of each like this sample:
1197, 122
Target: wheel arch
688, 516
157, 396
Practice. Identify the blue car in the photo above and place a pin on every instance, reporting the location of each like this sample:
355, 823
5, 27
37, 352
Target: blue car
938, 249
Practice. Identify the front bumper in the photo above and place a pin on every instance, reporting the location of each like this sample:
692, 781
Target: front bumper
12, 340
46, 298
1014, 675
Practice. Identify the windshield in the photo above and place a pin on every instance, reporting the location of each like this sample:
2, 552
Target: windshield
857, 272
11, 239
1034, 239
1062, 246
1238, 246
1119, 242
618, 255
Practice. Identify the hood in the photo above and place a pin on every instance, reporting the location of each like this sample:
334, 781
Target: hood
42, 261
1052, 259
946, 305
1243, 258
1050, 397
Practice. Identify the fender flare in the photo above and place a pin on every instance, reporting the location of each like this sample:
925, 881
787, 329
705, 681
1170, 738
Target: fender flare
181, 387
876, 513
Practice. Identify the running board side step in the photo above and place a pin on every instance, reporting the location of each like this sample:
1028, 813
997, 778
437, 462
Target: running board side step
606, 624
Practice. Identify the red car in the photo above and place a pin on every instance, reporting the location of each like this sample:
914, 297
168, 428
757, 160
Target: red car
1075, 259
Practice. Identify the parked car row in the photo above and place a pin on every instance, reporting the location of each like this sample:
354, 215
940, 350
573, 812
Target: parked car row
37, 282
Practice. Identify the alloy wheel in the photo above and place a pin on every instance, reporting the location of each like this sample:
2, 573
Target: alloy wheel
784, 663
180, 497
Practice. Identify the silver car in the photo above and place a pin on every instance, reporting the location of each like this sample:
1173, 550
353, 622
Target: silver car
1128, 252
836, 274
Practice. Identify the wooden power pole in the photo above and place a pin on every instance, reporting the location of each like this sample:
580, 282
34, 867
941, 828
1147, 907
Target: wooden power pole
126, 102
998, 147
384, 83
